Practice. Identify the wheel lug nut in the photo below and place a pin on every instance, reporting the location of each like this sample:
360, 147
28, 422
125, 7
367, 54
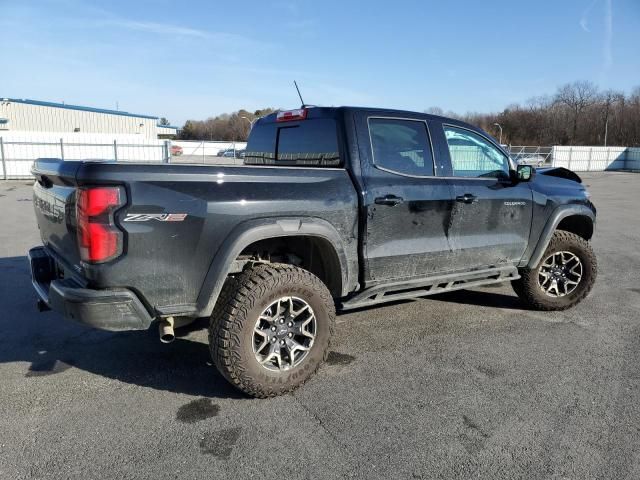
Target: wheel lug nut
281, 342
273, 339
290, 324
290, 334
273, 329
282, 320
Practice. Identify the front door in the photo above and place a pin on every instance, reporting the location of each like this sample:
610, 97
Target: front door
491, 217
407, 205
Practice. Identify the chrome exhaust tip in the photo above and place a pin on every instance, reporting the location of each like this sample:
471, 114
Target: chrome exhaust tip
167, 334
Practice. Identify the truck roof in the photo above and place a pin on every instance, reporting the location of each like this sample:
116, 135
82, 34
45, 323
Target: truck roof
336, 112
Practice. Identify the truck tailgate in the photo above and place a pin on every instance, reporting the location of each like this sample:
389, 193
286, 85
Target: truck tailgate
54, 201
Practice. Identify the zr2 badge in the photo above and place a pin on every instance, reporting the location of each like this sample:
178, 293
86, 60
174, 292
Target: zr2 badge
160, 217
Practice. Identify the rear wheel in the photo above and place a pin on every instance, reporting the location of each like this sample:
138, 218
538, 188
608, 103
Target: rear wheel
563, 278
272, 330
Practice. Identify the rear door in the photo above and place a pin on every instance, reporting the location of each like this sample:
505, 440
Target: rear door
491, 217
407, 205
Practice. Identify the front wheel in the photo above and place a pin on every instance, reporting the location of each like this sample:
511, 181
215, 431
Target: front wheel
563, 278
272, 328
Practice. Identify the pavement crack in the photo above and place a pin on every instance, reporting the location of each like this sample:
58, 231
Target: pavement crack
322, 424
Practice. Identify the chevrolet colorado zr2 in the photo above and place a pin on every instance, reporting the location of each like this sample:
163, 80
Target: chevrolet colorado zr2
333, 208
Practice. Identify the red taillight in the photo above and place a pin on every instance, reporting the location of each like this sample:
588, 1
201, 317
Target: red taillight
289, 115
99, 240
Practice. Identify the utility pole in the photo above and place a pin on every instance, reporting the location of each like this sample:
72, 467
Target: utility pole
606, 130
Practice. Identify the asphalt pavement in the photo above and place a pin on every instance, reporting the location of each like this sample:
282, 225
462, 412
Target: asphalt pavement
461, 385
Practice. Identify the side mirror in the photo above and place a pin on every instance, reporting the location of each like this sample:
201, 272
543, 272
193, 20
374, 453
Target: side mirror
525, 173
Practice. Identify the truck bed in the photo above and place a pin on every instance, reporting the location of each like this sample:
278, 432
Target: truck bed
176, 218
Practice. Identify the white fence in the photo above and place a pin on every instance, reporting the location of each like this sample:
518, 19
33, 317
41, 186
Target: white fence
596, 159
18, 150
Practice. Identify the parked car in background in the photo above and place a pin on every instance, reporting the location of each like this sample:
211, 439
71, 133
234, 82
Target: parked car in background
535, 156
533, 160
231, 153
176, 150
225, 152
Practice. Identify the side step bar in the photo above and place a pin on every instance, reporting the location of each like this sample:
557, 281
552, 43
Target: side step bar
429, 286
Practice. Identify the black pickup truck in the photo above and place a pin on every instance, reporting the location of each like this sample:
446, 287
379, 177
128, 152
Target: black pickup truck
333, 208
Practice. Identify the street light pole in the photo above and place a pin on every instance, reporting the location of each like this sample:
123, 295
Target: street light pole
250, 128
606, 130
500, 127
248, 120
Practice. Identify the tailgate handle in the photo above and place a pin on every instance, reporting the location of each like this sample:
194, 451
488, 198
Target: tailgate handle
44, 181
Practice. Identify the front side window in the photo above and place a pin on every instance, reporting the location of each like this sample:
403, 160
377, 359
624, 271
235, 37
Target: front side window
401, 146
474, 156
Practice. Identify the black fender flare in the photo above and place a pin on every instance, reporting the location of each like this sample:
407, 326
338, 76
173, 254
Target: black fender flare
251, 231
561, 212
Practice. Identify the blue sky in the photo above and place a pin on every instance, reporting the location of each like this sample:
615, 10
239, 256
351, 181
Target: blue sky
194, 59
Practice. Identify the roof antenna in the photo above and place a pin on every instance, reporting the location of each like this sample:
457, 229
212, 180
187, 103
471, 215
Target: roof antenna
301, 100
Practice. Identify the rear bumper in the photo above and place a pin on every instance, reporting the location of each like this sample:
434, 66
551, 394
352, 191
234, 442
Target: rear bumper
115, 309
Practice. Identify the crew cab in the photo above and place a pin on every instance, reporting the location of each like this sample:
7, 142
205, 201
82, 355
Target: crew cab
333, 208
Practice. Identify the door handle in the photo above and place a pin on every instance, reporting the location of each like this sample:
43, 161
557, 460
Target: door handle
390, 200
466, 198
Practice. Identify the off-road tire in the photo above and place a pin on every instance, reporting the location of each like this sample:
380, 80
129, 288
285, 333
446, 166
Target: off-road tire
528, 288
233, 320
228, 290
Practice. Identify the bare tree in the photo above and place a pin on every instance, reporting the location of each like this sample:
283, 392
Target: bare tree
226, 127
577, 96
577, 114
606, 105
580, 119
434, 111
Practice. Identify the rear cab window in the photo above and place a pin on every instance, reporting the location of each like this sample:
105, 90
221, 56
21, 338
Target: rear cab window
312, 142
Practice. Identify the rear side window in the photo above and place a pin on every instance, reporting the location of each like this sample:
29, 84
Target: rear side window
401, 146
306, 143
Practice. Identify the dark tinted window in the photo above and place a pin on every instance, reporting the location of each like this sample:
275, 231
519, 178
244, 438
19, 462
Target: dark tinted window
401, 146
304, 143
261, 146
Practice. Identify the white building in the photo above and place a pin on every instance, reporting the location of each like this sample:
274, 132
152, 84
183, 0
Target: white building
18, 115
